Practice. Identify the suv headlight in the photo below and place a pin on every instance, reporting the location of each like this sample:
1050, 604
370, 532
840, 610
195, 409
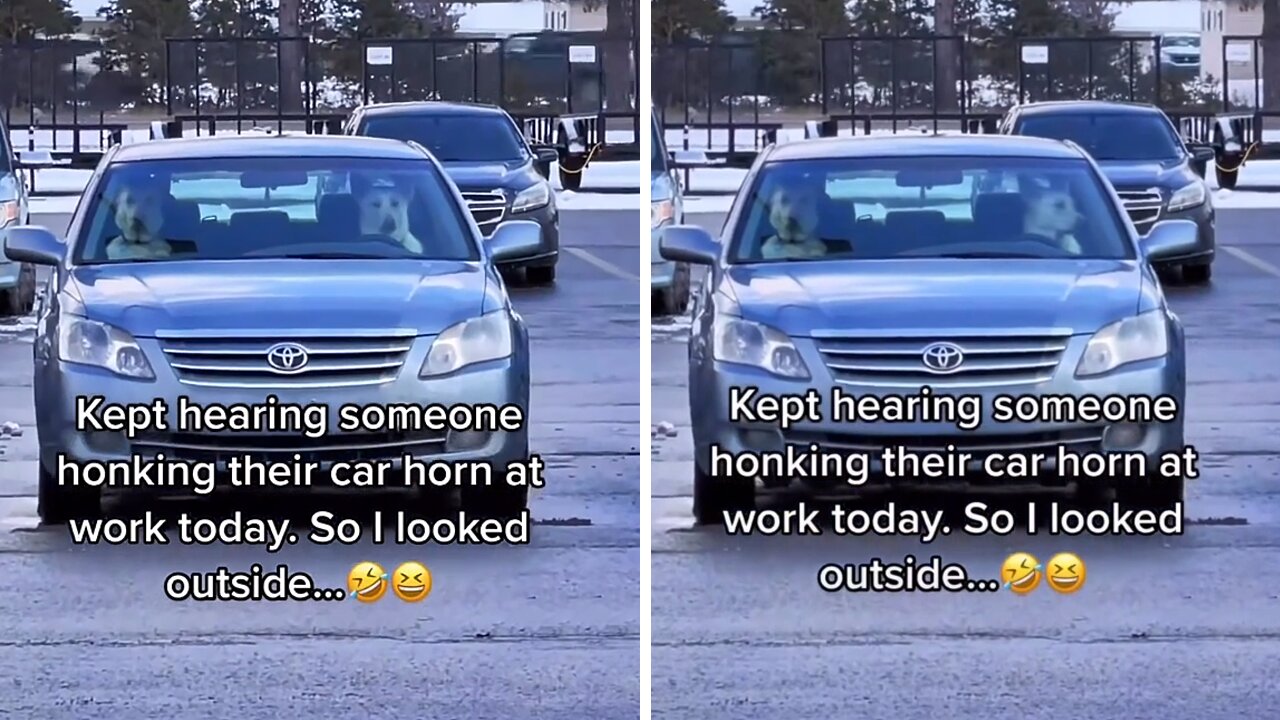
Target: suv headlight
1189, 196
661, 212
1142, 337
743, 342
532, 198
477, 340
88, 342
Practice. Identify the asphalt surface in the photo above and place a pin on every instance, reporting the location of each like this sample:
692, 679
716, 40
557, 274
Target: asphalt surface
544, 630
1165, 627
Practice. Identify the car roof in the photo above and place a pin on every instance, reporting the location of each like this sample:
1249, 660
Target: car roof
430, 107
1088, 106
963, 145
250, 146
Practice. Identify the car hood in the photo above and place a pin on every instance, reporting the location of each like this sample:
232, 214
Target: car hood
143, 298
801, 297
1143, 174
486, 175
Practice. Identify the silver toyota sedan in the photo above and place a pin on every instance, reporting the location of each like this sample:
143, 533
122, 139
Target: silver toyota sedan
874, 270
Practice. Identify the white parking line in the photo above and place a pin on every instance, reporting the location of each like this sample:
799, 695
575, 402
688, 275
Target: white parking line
1253, 260
604, 265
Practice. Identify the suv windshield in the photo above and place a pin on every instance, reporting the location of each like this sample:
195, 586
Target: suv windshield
454, 138
929, 207
1109, 136
273, 207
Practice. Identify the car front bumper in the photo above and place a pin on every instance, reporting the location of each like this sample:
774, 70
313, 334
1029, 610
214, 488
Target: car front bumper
59, 384
548, 252
713, 383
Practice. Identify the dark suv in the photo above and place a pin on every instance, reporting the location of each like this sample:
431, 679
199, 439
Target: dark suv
1156, 173
483, 151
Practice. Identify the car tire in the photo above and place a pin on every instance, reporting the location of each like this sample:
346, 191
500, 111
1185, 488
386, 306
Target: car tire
57, 505
499, 500
1156, 493
715, 496
1227, 178
541, 274
571, 172
675, 299
1197, 274
20, 299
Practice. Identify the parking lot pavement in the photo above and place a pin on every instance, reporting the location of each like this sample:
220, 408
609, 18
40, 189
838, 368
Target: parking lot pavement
547, 630
1167, 627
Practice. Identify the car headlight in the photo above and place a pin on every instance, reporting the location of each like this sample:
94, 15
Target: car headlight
477, 340
743, 342
661, 212
88, 342
8, 212
1142, 337
1192, 195
532, 198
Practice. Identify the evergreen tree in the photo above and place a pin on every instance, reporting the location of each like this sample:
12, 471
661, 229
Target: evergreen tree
25, 19
357, 20
134, 45
791, 54
679, 20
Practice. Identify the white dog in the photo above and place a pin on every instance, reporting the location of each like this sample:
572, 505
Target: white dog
794, 215
1052, 214
384, 210
139, 214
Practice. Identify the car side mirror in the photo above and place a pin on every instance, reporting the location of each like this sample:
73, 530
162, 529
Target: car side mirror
1201, 152
33, 244
1169, 239
543, 158
689, 244
513, 239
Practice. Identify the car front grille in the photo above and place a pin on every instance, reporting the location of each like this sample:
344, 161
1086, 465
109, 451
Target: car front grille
488, 207
221, 447
1144, 207
987, 360
241, 360
1075, 440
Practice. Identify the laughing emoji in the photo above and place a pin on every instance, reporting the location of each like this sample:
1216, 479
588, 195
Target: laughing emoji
1066, 573
1021, 573
367, 582
411, 582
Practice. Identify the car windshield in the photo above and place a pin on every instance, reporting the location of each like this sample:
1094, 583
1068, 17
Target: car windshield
1180, 42
929, 207
273, 207
454, 138
657, 151
1109, 136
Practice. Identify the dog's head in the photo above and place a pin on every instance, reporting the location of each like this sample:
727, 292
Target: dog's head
793, 212
1051, 212
139, 212
384, 206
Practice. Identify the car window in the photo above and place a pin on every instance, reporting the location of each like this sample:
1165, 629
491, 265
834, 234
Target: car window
929, 207
454, 138
1109, 136
244, 208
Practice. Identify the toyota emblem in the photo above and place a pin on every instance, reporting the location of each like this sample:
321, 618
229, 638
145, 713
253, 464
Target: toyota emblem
942, 358
287, 357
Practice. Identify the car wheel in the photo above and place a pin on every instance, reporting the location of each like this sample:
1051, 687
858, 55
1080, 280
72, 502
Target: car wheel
1197, 274
541, 274
19, 299
498, 500
675, 299
57, 505
715, 496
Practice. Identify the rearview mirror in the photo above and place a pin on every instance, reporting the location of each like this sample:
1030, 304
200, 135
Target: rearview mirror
513, 239
688, 244
33, 244
1202, 152
272, 179
928, 178
1170, 239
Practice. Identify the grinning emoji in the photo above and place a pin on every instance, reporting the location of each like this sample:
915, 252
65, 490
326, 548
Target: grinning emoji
1021, 573
1065, 573
367, 582
411, 582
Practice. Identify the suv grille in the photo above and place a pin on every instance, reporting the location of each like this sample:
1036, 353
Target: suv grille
350, 359
1144, 207
487, 207
985, 360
